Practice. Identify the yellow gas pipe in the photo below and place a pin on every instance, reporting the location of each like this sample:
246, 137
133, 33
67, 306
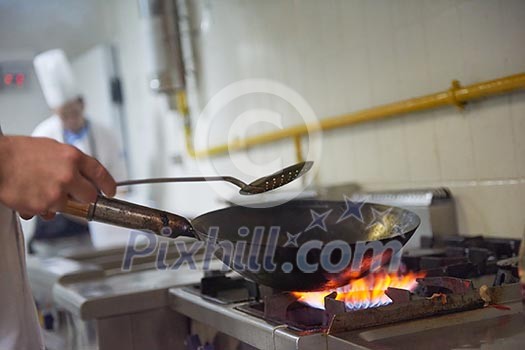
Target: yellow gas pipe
456, 95
182, 108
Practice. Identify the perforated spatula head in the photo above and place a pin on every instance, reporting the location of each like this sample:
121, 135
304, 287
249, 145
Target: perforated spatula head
277, 179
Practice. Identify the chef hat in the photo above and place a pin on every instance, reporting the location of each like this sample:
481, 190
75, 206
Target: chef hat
56, 78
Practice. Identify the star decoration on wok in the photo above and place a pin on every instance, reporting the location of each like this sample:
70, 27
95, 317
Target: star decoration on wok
378, 217
353, 209
399, 229
292, 239
318, 220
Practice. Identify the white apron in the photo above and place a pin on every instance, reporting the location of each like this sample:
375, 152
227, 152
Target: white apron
19, 328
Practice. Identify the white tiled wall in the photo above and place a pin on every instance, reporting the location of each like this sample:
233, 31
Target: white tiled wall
346, 55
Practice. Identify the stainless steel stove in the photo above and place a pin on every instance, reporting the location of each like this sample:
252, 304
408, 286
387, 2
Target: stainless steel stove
481, 328
178, 309
469, 298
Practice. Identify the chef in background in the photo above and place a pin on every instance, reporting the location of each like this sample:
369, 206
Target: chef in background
68, 124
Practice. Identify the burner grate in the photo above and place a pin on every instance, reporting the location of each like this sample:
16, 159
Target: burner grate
404, 307
434, 296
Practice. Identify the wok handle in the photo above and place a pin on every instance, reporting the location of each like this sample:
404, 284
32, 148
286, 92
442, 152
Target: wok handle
133, 216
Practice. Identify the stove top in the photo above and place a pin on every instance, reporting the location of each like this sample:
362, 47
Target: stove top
470, 284
488, 327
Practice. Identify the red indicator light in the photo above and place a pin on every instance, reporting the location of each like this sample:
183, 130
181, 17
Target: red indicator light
8, 79
19, 79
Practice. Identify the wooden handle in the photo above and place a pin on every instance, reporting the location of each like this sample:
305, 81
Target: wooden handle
77, 209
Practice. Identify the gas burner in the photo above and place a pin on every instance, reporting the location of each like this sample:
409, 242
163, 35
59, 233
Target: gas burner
219, 288
507, 271
501, 248
459, 256
433, 296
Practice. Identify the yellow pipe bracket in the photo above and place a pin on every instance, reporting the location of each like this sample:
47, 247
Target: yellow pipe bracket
298, 148
454, 87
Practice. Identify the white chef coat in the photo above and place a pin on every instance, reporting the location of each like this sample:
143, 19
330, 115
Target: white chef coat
19, 328
108, 153
107, 149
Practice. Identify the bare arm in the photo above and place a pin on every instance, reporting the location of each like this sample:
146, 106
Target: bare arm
38, 176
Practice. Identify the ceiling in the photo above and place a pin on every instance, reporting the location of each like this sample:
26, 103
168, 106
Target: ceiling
31, 26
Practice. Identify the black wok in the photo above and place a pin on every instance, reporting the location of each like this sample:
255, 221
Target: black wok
380, 224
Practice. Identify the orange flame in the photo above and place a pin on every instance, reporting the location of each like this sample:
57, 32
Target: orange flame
365, 292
